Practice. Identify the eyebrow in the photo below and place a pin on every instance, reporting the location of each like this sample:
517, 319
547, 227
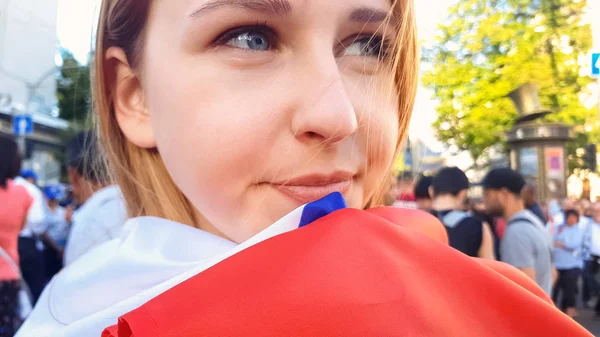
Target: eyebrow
268, 7
368, 15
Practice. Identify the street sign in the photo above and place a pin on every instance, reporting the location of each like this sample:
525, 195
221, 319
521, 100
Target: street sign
596, 64
22, 125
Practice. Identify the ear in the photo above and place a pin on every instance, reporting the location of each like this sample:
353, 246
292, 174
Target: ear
431, 192
462, 195
128, 99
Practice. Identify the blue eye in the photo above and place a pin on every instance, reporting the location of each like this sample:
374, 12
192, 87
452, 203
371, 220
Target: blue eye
366, 46
251, 40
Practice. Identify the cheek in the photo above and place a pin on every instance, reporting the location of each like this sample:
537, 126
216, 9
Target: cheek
208, 129
216, 133
378, 127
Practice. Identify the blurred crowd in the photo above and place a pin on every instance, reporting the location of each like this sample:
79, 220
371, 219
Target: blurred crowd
48, 227
555, 242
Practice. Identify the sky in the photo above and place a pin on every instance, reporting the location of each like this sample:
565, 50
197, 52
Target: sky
75, 32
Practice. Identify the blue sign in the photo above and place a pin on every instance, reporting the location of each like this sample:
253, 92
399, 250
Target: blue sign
22, 125
595, 64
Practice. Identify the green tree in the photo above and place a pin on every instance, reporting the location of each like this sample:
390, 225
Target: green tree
487, 48
73, 89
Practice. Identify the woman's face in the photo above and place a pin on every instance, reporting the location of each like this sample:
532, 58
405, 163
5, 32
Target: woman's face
260, 106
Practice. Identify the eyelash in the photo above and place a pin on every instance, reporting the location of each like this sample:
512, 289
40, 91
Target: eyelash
263, 28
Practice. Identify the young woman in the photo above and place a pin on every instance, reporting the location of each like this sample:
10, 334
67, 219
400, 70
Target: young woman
238, 131
14, 204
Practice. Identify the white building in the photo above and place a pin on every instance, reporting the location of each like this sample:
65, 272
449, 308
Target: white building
27, 52
28, 46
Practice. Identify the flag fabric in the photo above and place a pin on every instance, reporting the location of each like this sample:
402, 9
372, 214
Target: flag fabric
353, 273
344, 272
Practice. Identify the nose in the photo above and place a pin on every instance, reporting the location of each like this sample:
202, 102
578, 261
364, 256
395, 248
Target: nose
326, 115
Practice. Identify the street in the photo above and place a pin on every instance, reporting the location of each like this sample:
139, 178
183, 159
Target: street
587, 319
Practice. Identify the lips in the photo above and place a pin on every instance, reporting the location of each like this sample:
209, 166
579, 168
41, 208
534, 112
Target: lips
309, 188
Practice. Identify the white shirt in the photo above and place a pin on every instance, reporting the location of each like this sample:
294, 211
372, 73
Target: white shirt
58, 228
150, 256
595, 239
98, 220
36, 216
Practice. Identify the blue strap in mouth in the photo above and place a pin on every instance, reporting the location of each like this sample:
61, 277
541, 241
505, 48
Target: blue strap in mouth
320, 208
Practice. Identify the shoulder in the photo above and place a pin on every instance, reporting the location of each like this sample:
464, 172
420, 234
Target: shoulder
473, 221
364, 250
19, 193
519, 231
416, 220
516, 276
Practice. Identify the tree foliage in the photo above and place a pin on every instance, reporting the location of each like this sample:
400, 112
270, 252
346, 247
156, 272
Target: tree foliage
73, 89
487, 48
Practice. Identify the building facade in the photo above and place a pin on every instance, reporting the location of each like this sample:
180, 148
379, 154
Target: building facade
28, 46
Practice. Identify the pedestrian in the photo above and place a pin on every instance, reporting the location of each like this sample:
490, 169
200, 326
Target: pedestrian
422, 196
247, 138
466, 233
29, 175
529, 195
55, 237
31, 256
568, 242
14, 205
478, 210
405, 197
591, 255
102, 213
526, 243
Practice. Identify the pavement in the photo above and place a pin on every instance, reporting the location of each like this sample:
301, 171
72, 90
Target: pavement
588, 320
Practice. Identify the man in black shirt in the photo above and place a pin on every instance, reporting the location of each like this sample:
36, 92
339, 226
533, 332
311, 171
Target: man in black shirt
465, 232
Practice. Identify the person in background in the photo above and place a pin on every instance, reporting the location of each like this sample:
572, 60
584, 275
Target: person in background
29, 175
568, 242
68, 200
55, 237
466, 233
529, 196
588, 209
421, 192
102, 212
591, 255
559, 218
31, 247
478, 210
555, 216
404, 191
14, 205
525, 244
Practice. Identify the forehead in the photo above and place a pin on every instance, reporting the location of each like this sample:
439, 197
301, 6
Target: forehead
190, 8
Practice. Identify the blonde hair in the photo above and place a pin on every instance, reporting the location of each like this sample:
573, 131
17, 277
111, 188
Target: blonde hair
144, 180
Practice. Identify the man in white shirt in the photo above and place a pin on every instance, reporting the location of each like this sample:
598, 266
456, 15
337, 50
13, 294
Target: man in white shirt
102, 213
31, 259
591, 254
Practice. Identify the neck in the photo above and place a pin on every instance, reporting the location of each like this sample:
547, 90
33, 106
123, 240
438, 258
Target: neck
513, 206
445, 203
88, 190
